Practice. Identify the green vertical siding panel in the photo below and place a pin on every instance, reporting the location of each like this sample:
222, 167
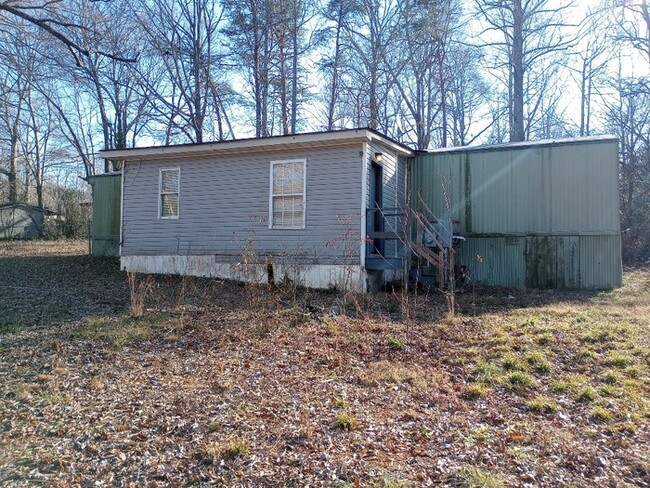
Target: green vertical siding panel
600, 262
565, 191
497, 261
105, 232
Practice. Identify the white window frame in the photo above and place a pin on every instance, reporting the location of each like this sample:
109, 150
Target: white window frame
160, 193
304, 193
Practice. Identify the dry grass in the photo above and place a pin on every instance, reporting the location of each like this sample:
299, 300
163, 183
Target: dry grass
550, 391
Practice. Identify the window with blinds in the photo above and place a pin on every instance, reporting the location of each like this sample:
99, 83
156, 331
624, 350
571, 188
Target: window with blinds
287, 200
169, 193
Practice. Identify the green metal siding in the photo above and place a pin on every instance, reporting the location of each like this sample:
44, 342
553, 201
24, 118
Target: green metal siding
105, 230
561, 199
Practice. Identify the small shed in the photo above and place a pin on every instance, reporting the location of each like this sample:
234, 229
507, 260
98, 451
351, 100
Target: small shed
21, 221
105, 225
541, 214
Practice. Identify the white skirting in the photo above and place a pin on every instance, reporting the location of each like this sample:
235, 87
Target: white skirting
339, 276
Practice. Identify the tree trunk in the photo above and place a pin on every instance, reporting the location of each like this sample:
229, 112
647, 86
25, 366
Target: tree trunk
517, 64
294, 70
335, 72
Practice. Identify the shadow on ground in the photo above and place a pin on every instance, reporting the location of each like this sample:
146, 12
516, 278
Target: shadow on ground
37, 290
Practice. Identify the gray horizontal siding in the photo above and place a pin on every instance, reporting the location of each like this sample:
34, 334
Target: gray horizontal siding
224, 207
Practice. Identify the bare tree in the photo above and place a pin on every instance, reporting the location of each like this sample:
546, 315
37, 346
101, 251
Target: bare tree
370, 32
526, 32
52, 17
594, 52
184, 36
467, 93
249, 31
334, 62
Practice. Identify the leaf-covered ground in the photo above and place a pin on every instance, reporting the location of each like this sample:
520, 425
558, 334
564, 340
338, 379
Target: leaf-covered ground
234, 385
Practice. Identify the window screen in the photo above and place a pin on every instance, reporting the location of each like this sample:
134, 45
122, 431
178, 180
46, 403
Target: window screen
287, 194
169, 192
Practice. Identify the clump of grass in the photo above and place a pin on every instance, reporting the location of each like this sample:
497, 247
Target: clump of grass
396, 343
510, 362
477, 477
345, 421
139, 288
53, 398
387, 481
235, 448
600, 334
456, 360
480, 434
486, 372
601, 415
568, 384
538, 362
213, 453
118, 332
331, 327
586, 394
618, 359
387, 372
24, 392
542, 404
341, 403
520, 380
610, 377
608, 391
586, 353
475, 391
545, 338
631, 387
633, 372
97, 384
560, 386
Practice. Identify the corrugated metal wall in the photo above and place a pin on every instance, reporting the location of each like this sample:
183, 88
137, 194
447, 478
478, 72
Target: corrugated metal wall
105, 231
542, 215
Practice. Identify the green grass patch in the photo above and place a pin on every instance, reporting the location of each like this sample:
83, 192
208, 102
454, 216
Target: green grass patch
397, 343
586, 394
213, 453
542, 404
538, 362
475, 391
619, 359
610, 377
345, 421
477, 477
520, 381
510, 362
486, 372
121, 331
600, 415
341, 403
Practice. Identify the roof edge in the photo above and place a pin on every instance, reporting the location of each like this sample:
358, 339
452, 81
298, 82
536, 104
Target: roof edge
255, 144
524, 144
